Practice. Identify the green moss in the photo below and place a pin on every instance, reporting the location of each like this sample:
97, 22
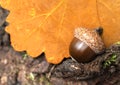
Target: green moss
31, 76
24, 55
109, 61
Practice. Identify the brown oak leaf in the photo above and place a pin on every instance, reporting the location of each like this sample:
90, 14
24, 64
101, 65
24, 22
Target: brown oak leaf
47, 25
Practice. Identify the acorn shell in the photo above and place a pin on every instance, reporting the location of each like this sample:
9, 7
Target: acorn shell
85, 45
80, 51
91, 38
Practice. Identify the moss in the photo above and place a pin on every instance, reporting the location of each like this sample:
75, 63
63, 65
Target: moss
109, 61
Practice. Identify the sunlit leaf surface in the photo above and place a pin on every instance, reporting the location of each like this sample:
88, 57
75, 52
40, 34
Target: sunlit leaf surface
47, 25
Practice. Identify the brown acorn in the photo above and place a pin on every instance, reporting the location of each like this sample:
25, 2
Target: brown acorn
86, 45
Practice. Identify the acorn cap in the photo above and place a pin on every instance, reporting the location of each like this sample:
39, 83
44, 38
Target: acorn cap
91, 38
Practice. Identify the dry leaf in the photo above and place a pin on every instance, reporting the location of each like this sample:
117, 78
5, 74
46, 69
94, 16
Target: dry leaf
47, 25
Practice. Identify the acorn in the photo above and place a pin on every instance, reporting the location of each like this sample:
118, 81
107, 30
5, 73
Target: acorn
86, 44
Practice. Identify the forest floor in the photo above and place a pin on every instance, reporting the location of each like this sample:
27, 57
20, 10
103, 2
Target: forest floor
18, 68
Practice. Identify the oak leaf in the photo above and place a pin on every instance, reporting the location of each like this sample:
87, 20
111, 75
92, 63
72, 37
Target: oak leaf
47, 25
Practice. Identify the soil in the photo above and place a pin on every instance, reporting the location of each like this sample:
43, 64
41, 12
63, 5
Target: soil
18, 68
